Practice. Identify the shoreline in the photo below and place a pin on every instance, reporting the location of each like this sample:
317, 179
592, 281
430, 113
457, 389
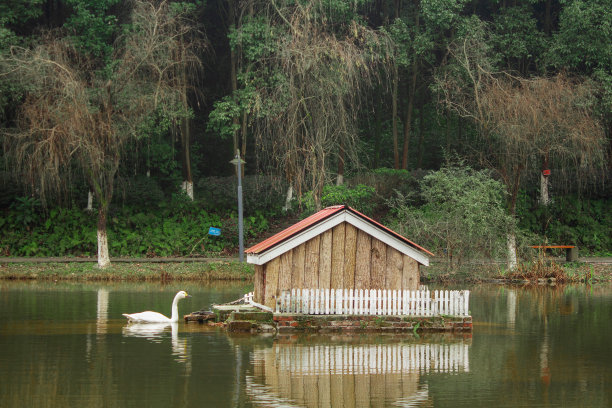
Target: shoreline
132, 270
230, 269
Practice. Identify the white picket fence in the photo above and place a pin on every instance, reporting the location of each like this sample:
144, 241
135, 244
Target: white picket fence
374, 302
248, 299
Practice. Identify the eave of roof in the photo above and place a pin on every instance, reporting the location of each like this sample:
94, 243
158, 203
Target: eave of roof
317, 218
390, 231
296, 228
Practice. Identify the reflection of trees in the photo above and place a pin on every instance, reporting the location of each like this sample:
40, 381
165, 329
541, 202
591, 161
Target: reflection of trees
557, 349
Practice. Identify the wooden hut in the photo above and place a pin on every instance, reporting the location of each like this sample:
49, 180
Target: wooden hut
336, 248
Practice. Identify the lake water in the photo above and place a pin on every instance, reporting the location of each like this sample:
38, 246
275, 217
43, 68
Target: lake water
67, 345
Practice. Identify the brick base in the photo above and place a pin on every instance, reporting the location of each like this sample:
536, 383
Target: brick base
342, 323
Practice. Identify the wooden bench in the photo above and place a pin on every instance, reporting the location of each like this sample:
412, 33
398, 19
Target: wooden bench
571, 251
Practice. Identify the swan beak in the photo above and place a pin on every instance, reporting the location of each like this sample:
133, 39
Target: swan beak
187, 295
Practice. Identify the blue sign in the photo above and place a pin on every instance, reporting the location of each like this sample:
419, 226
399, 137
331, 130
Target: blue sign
214, 231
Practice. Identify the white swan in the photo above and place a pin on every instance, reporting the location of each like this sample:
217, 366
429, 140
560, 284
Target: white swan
154, 317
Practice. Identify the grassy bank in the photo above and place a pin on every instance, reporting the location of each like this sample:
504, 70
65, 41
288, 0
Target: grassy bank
133, 272
535, 271
236, 271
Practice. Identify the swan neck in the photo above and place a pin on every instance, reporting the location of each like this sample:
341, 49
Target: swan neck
174, 317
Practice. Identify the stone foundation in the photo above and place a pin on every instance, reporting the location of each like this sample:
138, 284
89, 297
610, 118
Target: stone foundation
287, 323
251, 321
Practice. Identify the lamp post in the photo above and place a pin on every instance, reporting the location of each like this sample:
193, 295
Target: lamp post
238, 162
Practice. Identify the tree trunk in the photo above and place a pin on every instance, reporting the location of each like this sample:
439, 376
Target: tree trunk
289, 198
408, 121
548, 18
378, 130
340, 179
544, 200
102, 185
511, 241
421, 133
103, 256
185, 130
394, 117
511, 235
90, 195
448, 132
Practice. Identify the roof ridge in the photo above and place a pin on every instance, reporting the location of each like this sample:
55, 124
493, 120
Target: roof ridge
317, 218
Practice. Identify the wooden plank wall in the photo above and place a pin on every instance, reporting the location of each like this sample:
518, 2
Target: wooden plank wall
342, 257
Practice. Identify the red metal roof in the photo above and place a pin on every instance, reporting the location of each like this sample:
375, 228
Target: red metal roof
395, 234
294, 229
317, 218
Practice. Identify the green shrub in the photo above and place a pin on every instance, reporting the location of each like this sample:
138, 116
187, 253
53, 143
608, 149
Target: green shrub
360, 197
463, 215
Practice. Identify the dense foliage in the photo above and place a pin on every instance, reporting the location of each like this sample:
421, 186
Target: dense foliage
178, 228
463, 215
328, 102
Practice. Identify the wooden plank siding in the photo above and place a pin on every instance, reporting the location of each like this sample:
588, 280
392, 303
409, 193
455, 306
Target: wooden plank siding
343, 257
297, 272
350, 255
393, 270
271, 282
363, 261
325, 261
410, 274
259, 286
311, 263
284, 278
337, 275
379, 264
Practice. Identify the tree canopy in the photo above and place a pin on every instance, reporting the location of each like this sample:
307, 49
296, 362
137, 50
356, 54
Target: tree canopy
98, 94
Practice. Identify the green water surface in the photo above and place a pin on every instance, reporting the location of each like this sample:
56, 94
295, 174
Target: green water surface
67, 345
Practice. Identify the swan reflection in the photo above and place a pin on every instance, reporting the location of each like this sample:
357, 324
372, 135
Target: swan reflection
156, 332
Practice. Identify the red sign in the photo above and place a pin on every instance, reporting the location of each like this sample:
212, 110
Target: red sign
546, 172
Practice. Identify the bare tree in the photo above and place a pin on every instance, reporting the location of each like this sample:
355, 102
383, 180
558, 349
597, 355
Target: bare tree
310, 106
522, 122
73, 114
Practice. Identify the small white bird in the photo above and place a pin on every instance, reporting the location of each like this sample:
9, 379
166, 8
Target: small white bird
154, 317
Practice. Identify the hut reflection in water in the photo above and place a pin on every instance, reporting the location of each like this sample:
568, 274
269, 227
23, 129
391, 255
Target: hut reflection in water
350, 375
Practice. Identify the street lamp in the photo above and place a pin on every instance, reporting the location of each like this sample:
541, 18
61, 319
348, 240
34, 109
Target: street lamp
238, 162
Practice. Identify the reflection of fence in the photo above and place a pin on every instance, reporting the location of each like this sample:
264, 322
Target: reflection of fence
369, 358
374, 302
349, 375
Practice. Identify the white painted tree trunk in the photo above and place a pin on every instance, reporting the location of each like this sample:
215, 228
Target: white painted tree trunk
340, 180
544, 200
187, 188
103, 257
89, 201
288, 199
512, 263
